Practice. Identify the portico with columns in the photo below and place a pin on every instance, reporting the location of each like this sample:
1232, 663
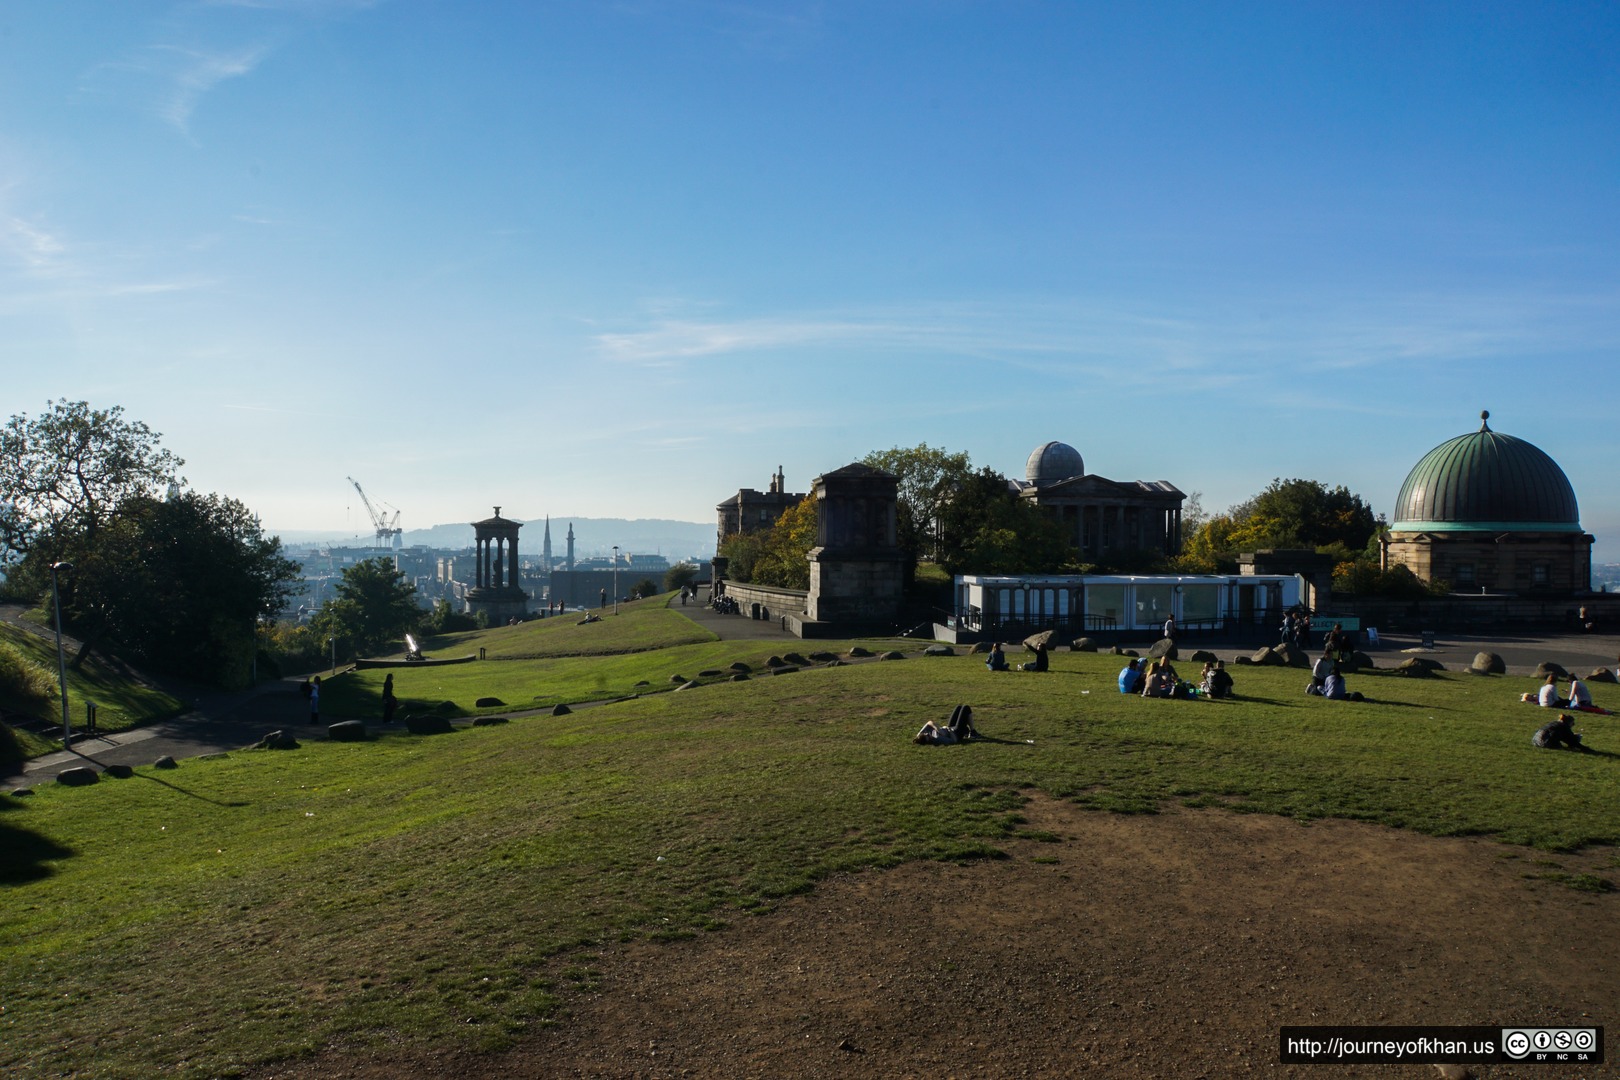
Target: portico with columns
496, 592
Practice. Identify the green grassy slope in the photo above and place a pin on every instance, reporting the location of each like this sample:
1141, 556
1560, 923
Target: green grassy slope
448, 888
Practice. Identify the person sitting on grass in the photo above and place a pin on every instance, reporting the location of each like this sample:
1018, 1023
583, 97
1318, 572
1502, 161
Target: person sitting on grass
997, 660
1559, 733
1579, 696
1333, 687
1160, 681
1130, 678
1548, 697
1217, 683
1040, 661
958, 729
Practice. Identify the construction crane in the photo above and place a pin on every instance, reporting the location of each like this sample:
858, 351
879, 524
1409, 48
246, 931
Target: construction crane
388, 531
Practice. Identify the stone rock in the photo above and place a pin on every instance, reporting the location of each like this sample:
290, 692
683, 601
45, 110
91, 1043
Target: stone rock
835, 662
560, 709
1202, 656
893, 654
859, 652
78, 776
823, 657
775, 662
1035, 641
939, 650
1423, 662
428, 725
1244, 660
644, 682
489, 703
489, 721
795, 658
710, 673
686, 686
1361, 662
347, 731
673, 679
1488, 663
120, 772
741, 676
1083, 644
1602, 674
21, 792
277, 740
1120, 650
446, 708
788, 670
1418, 667
1547, 667
1267, 656
742, 667
165, 762
979, 647
1166, 648
1292, 655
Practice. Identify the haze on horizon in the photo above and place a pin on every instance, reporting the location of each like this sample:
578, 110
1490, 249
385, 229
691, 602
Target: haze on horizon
619, 260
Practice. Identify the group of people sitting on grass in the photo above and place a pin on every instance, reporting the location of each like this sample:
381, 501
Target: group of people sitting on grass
1327, 679
1158, 679
1579, 697
997, 659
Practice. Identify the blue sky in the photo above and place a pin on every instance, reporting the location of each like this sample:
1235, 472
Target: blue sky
620, 259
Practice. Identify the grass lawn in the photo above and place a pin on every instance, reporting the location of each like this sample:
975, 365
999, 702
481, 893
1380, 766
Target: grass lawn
261, 906
120, 702
639, 626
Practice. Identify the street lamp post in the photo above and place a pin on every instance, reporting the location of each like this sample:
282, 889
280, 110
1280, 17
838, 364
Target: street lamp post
615, 579
61, 662
332, 641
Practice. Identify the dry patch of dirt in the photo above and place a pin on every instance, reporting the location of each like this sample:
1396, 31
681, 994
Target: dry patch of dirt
1168, 945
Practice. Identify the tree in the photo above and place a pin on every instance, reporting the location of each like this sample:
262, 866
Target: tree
65, 473
927, 476
785, 558
742, 550
176, 585
985, 528
374, 605
1303, 513
680, 576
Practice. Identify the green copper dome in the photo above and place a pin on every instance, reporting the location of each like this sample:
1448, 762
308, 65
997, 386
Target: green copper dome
1489, 482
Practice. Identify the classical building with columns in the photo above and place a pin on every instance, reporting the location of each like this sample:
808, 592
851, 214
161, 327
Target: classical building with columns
1102, 517
496, 592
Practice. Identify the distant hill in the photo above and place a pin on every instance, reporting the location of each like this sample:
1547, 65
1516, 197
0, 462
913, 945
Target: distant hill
675, 540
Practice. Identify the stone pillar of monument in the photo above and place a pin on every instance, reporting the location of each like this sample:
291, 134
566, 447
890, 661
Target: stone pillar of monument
497, 593
857, 571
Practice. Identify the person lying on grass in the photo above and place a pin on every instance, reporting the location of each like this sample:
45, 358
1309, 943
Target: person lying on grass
958, 729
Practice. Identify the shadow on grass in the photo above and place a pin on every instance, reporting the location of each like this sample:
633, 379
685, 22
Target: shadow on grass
171, 787
27, 851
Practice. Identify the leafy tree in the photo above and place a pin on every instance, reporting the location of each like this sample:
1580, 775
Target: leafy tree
985, 528
375, 605
176, 585
65, 473
741, 551
644, 588
785, 559
679, 576
1303, 513
928, 475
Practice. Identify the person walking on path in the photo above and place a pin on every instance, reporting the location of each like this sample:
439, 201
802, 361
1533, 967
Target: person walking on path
315, 700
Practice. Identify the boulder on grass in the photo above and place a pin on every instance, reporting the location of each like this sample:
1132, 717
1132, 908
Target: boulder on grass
428, 725
1120, 650
1488, 663
823, 657
165, 762
78, 776
1035, 641
1164, 648
859, 652
489, 703
1292, 655
1418, 667
1083, 644
277, 740
980, 647
710, 673
679, 679
490, 721
1548, 667
775, 662
741, 676
1247, 661
1602, 674
789, 670
347, 731
687, 686
1202, 656
560, 709
939, 650
893, 654
795, 658
1266, 656
742, 667
1360, 661
120, 772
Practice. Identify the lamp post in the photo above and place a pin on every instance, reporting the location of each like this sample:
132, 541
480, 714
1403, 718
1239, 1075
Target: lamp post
615, 579
332, 641
61, 662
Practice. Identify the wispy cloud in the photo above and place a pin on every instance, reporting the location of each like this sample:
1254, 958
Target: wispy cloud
193, 74
39, 251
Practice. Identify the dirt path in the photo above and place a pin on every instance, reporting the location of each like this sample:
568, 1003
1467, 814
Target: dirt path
1169, 945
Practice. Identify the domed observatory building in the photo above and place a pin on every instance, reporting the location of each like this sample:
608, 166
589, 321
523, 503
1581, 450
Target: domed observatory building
1490, 513
1102, 516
